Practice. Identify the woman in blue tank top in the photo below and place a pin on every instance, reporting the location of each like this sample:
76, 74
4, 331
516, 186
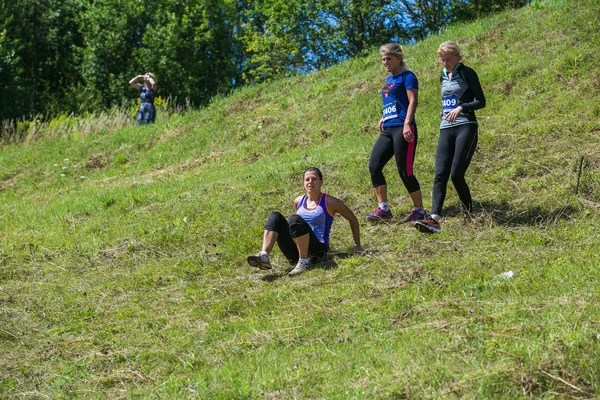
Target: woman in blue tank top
305, 235
147, 112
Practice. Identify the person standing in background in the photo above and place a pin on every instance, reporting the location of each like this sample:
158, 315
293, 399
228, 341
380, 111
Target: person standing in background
147, 112
461, 96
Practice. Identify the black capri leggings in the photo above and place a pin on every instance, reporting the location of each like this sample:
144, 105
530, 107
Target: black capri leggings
455, 149
295, 226
391, 143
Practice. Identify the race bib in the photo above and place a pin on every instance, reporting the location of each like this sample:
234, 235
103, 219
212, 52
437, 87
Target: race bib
390, 110
449, 103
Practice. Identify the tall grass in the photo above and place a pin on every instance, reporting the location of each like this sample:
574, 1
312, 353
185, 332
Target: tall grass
37, 127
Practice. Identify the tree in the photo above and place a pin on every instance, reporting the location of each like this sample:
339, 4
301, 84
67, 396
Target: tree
193, 49
273, 34
78, 55
41, 45
189, 46
113, 33
10, 99
284, 38
361, 25
423, 17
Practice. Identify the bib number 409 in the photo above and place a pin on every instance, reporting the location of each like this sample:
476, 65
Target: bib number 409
448, 103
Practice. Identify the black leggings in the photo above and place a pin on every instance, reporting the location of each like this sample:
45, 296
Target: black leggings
455, 149
391, 143
292, 228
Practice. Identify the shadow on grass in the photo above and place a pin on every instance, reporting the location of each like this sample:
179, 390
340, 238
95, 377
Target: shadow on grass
273, 277
504, 214
329, 262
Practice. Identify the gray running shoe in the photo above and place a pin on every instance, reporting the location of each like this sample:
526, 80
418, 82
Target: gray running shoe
259, 261
300, 268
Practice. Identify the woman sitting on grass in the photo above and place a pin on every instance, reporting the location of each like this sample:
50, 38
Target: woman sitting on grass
304, 236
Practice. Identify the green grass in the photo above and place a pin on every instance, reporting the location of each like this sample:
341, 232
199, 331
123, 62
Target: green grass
122, 250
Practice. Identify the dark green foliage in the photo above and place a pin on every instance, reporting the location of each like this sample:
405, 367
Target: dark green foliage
465, 10
40, 48
192, 49
63, 56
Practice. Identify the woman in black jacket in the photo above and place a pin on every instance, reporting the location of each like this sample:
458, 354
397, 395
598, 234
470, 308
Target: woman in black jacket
461, 96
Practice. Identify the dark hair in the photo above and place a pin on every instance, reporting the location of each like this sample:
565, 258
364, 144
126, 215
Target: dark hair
313, 169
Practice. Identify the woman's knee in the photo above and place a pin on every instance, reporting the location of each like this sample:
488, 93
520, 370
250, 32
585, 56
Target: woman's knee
294, 219
411, 183
375, 168
376, 173
440, 179
276, 216
298, 226
457, 178
275, 221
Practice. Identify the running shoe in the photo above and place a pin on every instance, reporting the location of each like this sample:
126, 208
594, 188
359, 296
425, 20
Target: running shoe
258, 261
379, 215
416, 215
428, 225
300, 268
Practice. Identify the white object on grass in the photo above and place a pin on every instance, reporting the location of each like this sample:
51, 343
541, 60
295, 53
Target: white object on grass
506, 275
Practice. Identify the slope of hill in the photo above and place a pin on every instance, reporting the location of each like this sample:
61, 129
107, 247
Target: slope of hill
122, 254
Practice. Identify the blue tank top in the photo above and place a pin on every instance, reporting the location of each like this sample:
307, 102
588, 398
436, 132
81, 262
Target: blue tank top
319, 218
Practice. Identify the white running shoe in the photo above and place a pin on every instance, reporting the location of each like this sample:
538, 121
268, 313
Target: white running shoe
300, 268
258, 261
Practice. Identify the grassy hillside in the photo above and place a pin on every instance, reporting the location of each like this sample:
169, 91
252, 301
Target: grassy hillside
122, 253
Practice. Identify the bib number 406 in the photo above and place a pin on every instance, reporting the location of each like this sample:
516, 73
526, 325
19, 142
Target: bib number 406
389, 111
